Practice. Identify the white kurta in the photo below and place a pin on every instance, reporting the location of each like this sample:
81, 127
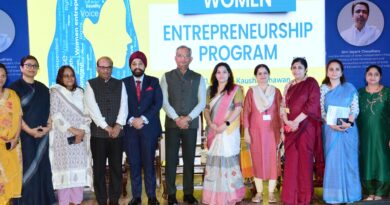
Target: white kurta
366, 36
71, 164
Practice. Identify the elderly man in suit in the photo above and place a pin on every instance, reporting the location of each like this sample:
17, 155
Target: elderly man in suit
143, 127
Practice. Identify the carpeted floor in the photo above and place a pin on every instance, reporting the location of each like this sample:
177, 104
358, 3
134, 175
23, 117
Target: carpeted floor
89, 197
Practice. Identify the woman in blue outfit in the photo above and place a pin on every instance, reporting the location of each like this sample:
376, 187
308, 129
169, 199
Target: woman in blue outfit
341, 180
37, 186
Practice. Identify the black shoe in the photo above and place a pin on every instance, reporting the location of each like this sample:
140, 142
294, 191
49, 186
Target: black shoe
135, 201
190, 199
172, 200
153, 201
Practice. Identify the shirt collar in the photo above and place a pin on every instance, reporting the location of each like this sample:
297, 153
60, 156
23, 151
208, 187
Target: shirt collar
139, 78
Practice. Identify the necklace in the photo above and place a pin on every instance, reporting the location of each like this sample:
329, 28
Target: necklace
371, 91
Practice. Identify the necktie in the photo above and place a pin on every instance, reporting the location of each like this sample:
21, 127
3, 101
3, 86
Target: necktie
138, 90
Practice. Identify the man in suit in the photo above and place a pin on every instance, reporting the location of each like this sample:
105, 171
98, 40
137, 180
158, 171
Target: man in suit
106, 102
143, 127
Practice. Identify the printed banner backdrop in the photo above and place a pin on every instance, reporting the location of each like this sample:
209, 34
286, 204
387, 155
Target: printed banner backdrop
86, 30
234, 6
242, 40
78, 32
357, 52
13, 36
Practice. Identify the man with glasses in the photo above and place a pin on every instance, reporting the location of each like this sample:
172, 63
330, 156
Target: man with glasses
37, 187
360, 34
106, 103
184, 98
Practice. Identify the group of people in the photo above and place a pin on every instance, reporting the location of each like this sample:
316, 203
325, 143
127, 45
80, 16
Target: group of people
68, 135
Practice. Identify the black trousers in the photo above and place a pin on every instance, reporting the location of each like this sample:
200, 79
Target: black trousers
173, 137
103, 148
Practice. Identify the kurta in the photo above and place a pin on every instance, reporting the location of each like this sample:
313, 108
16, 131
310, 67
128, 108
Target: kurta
10, 160
265, 135
37, 188
373, 123
223, 182
341, 179
304, 144
71, 164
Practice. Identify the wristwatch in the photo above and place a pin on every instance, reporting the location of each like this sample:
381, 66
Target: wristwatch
227, 123
350, 123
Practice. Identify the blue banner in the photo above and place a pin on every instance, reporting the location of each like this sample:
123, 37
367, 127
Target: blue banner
235, 6
13, 36
359, 37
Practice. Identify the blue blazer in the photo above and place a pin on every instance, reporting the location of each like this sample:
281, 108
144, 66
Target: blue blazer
149, 106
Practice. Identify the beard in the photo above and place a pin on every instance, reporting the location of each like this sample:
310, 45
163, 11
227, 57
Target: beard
138, 72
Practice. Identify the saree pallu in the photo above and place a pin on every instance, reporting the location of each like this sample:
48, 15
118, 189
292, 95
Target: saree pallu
223, 182
245, 155
341, 180
246, 160
10, 160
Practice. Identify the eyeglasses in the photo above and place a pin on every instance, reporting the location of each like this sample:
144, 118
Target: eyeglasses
29, 66
183, 56
68, 76
104, 67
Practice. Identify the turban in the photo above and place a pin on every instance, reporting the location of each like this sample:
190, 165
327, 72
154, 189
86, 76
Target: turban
139, 55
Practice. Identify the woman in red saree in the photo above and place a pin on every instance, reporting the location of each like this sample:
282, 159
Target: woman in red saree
301, 115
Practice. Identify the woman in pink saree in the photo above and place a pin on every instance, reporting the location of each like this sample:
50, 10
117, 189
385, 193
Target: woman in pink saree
223, 182
302, 118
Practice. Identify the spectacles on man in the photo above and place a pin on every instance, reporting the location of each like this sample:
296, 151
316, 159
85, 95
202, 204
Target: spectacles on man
29, 66
183, 56
104, 67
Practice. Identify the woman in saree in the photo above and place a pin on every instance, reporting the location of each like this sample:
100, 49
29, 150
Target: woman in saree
373, 124
302, 118
69, 146
10, 152
262, 125
223, 182
339, 108
37, 187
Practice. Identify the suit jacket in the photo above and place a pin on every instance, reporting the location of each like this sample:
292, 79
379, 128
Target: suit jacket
149, 106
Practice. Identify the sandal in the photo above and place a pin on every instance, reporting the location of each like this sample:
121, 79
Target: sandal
271, 198
377, 198
370, 198
257, 198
